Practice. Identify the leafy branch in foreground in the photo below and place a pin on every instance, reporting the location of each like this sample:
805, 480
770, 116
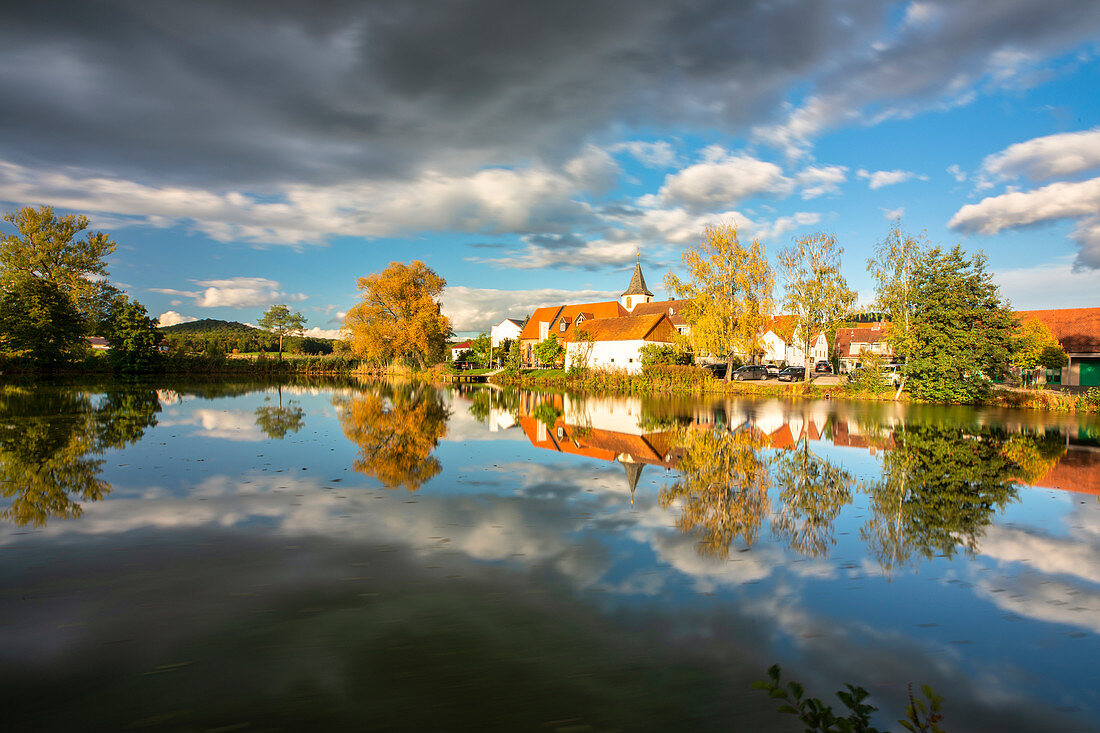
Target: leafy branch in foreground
920, 717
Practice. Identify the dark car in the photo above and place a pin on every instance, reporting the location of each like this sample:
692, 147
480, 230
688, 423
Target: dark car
823, 366
751, 371
792, 374
718, 371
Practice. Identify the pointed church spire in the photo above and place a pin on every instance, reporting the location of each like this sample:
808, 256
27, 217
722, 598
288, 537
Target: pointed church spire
637, 282
633, 473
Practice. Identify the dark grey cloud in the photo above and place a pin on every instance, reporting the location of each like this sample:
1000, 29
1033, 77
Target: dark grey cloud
276, 92
269, 93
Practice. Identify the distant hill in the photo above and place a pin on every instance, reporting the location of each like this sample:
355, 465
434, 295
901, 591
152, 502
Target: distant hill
210, 326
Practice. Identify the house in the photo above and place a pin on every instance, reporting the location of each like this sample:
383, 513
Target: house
614, 343
457, 349
509, 328
852, 341
1078, 330
782, 342
98, 343
559, 319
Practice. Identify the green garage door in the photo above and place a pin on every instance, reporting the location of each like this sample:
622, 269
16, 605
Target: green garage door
1090, 372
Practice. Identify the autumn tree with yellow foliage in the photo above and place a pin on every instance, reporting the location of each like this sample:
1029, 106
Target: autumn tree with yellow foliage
817, 295
399, 316
728, 294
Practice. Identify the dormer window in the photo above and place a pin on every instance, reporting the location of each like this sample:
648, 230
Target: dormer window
580, 319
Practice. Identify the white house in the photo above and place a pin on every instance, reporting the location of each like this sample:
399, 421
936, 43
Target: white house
614, 343
509, 328
782, 342
459, 348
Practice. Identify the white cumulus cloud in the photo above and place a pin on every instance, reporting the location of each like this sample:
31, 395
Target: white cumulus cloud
172, 318
879, 179
1045, 158
1057, 201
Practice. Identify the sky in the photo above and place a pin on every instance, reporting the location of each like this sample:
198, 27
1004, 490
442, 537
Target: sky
243, 154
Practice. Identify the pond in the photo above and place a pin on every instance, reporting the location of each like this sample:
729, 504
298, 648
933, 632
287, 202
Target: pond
393, 556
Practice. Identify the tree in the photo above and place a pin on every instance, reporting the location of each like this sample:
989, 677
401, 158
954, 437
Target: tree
816, 294
962, 333
132, 336
281, 322
729, 294
276, 422
549, 351
1032, 342
47, 249
40, 322
399, 316
894, 269
480, 350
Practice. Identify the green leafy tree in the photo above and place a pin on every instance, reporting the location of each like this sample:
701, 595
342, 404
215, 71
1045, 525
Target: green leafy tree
132, 336
1053, 356
281, 322
549, 351
962, 332
47, 248
40, 323
816, 294
480, 350
514, 361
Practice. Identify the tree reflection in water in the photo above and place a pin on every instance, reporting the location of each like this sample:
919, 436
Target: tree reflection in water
396, 426
723, 488
942, 486
277, 422
812, 491
49, 440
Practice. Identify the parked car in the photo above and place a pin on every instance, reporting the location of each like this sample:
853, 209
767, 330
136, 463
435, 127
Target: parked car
792, 374
772, 369
823, 366
891, 374
751, 371
718, 371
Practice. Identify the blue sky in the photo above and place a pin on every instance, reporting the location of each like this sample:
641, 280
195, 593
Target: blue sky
245, 154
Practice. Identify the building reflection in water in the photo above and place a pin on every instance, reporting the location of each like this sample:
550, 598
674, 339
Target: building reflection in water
944, 475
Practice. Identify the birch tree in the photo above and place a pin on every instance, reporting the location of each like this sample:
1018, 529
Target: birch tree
893, 268
728, 294
816, 294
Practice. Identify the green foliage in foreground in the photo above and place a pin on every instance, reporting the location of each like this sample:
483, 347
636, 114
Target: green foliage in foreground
818, 717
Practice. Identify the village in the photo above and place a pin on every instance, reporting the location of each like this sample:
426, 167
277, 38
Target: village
615, 332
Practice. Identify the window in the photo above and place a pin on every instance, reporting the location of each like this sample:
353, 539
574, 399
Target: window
562, 325
628, 302
612, 361
544, 330
630, 360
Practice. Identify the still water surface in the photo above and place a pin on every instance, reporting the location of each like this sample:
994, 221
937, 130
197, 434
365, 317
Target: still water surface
396, 557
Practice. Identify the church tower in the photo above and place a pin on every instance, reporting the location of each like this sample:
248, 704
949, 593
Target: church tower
637, 292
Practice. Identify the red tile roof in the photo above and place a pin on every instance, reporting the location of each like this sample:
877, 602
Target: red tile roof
671, 308
655, 327
556, 313
869, 334
1077, 329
